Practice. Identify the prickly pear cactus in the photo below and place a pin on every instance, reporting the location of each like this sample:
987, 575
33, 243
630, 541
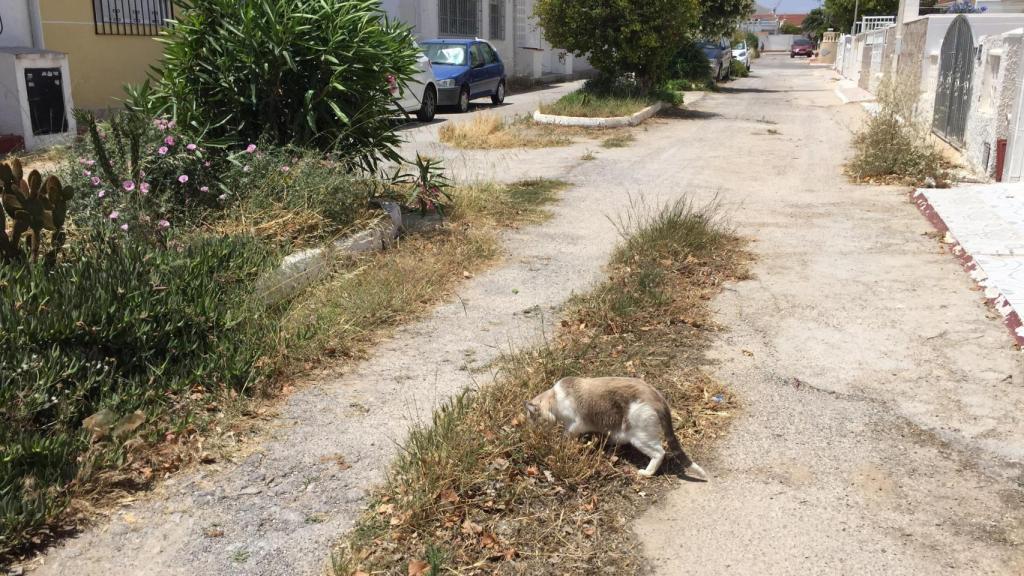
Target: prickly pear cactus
34, 205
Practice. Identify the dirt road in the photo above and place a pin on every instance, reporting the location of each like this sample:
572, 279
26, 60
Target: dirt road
882, 428
882, 405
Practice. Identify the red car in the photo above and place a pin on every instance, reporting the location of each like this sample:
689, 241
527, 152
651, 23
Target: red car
801, 47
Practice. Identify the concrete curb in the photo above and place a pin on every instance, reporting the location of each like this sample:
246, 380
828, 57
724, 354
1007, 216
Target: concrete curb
617, 122
301, 269
993, 295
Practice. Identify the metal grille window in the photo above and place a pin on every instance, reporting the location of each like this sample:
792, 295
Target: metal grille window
131, 17
458, 17
497, 13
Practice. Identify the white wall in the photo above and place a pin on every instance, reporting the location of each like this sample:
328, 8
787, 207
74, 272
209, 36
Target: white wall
17, 24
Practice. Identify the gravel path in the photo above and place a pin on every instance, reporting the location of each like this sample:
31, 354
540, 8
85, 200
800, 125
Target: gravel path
882, 431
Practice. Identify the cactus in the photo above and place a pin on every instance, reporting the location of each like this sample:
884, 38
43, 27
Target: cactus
34, 205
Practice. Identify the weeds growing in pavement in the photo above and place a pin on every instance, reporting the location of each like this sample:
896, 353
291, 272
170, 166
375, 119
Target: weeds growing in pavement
477, 491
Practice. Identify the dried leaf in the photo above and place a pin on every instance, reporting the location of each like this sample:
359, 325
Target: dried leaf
470, 527
488, 540
418, 568
532, 470
449, 495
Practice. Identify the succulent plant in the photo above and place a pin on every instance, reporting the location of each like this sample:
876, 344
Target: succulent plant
34, 205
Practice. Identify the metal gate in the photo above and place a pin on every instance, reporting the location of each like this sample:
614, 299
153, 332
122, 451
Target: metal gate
953, 94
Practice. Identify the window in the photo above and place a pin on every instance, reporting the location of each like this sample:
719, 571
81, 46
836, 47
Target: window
450, 55
131, 17
497, 19
490, 56
478, 58
458, 17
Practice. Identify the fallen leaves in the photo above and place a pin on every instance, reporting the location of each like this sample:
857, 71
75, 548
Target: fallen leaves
418, 568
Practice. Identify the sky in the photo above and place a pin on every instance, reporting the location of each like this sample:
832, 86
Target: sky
791, 6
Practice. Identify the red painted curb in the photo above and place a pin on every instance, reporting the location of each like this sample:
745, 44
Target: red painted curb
1011, 318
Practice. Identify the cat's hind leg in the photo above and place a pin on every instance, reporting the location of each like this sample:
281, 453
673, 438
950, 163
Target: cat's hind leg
651, 447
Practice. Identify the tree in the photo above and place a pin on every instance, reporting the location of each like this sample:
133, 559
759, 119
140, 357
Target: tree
841, 12
722, 17
620, 36
790, 28
816, 24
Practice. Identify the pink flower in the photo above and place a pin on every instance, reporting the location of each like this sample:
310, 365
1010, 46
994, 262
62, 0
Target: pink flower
204, 189
183, 178
86, 173
191, 147
96, 181
163, 225
172, 124
114, 215
250, 148
222, 197
163, 150
124, 227
285, 169
144, 187
129, 185
101, 194
169, 140
90, 162
207, 164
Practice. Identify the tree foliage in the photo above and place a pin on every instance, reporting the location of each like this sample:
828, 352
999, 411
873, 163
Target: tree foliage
790, 28
722, 17
620, 36
841, 12
817, 23
305, 72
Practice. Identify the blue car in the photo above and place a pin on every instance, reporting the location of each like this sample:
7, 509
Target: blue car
465, 70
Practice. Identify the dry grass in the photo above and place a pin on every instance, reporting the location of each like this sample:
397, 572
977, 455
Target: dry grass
369, 294
479, 492
589, 104
490, 131
618, 141
894, 145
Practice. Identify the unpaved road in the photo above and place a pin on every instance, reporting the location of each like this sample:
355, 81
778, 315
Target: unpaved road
882, 428
894, 455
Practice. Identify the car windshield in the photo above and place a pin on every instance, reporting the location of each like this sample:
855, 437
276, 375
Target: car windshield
739, 46
451, 54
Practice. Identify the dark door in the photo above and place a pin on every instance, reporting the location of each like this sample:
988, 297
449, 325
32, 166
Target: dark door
45, 89
953, 93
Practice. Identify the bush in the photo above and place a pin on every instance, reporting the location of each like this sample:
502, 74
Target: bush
116, 328
739, 69
303, 72
894, 143
690, 68
620, 37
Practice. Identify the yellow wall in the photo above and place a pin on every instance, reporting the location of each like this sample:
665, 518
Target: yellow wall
100, 64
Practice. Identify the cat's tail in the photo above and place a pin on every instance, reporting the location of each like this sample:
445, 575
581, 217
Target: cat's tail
691, 468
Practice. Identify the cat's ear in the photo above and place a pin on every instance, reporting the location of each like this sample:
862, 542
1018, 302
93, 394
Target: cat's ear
531, 408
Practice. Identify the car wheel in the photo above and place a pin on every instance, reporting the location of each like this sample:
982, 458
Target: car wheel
429, 105
499, 94
464, 100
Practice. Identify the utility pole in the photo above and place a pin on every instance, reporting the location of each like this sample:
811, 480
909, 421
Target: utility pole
856, 8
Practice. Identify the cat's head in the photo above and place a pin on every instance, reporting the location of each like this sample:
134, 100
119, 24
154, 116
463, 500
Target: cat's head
541, 408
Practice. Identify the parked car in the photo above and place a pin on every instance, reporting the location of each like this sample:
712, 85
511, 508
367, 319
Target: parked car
741, 53
719, 57
466, 70
801, 47
418, 95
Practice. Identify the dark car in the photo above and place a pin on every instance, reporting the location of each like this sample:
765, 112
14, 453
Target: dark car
465, 70
801, 47
719, 54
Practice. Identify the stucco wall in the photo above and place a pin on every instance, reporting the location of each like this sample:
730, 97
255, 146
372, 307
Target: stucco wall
17, 27
995, 86
100, 64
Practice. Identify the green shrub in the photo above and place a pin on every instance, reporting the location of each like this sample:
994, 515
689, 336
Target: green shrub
738, 69
597, 100
115, 328
690, 69
620, 36
304, 72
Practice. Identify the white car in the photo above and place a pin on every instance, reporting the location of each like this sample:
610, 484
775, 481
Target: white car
418, 95
741, 53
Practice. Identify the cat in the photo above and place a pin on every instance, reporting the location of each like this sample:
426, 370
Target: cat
627, 409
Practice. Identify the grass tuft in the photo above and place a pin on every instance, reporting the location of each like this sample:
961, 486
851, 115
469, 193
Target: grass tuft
489, 494
618, 141
591, 104
489, 131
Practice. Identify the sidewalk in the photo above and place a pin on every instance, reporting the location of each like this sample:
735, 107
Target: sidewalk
985, 225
